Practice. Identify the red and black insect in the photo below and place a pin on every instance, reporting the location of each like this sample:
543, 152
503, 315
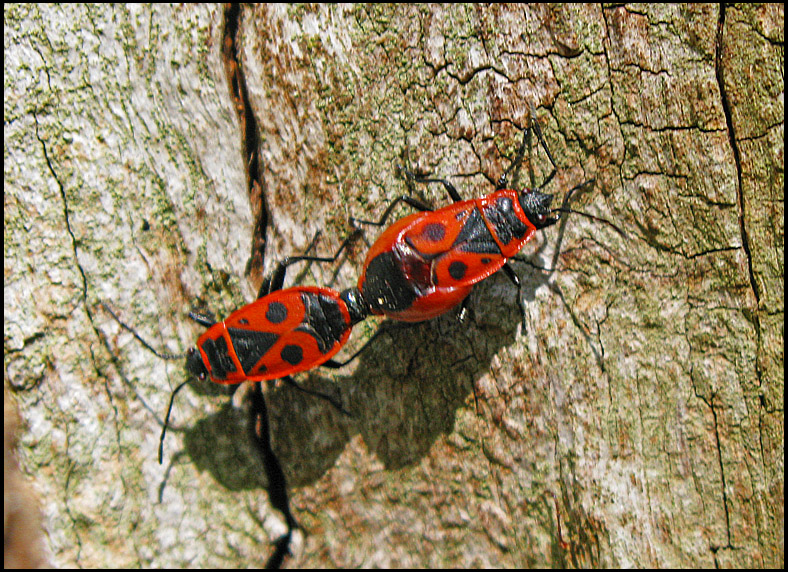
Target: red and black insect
283, 332
427, 263
277, 335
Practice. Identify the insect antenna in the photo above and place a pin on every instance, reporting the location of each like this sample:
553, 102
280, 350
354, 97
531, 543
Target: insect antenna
167, 418
162, 355
140, 339
592, 217
565, 209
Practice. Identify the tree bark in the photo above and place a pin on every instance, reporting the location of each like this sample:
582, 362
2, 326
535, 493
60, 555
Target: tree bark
636, 419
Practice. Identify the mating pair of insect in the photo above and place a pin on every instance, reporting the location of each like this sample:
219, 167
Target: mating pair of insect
420, 267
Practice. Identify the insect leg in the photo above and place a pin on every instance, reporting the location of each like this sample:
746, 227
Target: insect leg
411, 178
538, 130
335, 364
516, 281
415, 203
518, 159
337, 405
503, 182
277, 278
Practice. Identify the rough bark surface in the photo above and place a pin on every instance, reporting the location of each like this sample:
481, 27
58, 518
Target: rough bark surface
637, 420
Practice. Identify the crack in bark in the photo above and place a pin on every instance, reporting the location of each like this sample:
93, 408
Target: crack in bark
710, 404
84, 287
67, 219
66, 216
726, 107
250, 136
714, 549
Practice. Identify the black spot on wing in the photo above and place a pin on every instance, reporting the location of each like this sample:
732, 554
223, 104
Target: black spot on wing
292, 354
434, 232
457, 269
276, 313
